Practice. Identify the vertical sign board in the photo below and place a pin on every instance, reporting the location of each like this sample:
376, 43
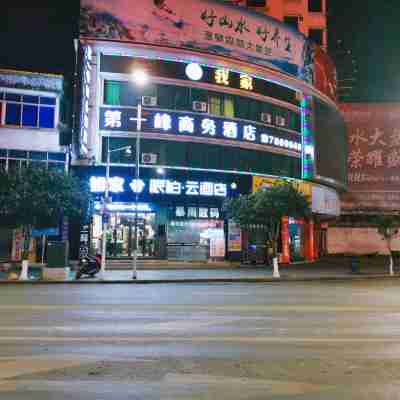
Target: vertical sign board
234, 237
308, 141
84, 241
85, 90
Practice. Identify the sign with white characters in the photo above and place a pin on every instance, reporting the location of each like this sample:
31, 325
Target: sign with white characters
159, 187
202, 126
197, 212
86, 82
202, 25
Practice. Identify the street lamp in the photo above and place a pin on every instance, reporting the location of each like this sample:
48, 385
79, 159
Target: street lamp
140, 78
106, 201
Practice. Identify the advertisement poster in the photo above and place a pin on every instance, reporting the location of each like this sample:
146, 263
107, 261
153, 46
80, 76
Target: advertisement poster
234, 237
202, 25
373, 156
217, 247
260, 182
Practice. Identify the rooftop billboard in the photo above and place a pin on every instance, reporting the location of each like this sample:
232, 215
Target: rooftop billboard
210, 26
373, 156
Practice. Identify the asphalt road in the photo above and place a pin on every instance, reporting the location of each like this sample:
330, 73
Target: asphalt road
238, 341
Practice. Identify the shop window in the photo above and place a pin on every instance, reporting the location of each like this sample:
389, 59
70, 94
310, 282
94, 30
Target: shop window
29, 115
295, 121
166, 96
112, 93
13, 114
199, 95
14, 165
182, 98
241, 107
17, 154
256, 3
29, 111
59, 167
292, 21
13, 97
316, 35
215, 105
56, 156
38, 155
31, 99
46, 117
229, 107
315, 5
50, 101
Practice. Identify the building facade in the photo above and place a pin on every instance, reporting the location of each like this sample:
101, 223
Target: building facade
236, 100
29, 131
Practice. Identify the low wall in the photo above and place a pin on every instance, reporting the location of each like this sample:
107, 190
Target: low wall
358, 241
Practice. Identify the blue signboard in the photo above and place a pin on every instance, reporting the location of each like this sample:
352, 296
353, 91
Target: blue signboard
45, 232
117, 119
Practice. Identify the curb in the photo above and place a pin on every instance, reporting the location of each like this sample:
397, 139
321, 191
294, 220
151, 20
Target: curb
203, 280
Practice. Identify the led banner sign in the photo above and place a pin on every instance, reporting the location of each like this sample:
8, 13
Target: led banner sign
206, 126
125, 207
308, 154
159, 187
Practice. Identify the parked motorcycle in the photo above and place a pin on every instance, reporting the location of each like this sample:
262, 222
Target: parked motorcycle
89, 265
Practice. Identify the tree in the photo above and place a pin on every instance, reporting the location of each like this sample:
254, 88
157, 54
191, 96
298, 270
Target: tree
36, 196
388, 227
267, 207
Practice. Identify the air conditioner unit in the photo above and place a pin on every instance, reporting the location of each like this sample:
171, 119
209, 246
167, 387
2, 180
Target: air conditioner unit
280, 121
266, 118
200, 106
149, 101
149, 158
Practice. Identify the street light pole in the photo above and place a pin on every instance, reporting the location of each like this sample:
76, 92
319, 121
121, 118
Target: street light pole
140, 78
137, 175
105, 216
104, 212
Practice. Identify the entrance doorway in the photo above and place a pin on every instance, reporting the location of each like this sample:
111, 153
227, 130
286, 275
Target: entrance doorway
121, 234
296, 240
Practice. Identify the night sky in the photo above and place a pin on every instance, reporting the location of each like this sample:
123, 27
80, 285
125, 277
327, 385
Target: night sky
37, 35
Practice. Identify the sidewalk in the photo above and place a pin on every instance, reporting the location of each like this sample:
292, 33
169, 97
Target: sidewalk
328, 268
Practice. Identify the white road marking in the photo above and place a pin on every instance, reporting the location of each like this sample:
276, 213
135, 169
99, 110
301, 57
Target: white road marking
195, 339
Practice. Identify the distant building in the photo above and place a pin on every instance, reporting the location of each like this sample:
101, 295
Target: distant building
29, 121
307, 16
347, 71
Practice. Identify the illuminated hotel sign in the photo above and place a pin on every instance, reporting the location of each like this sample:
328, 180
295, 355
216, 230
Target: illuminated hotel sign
200, 125
308, 153
160, 187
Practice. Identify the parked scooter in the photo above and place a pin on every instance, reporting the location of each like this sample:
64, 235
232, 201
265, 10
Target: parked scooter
89, 266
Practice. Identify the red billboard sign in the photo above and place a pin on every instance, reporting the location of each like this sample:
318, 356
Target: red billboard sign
373, 156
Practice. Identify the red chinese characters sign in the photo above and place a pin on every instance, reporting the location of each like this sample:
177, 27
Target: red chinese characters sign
373, 155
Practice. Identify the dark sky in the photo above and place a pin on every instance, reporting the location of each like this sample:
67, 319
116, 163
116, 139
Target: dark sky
37, 35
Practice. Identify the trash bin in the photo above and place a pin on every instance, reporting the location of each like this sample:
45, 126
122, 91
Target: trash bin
354, 264
57, 255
